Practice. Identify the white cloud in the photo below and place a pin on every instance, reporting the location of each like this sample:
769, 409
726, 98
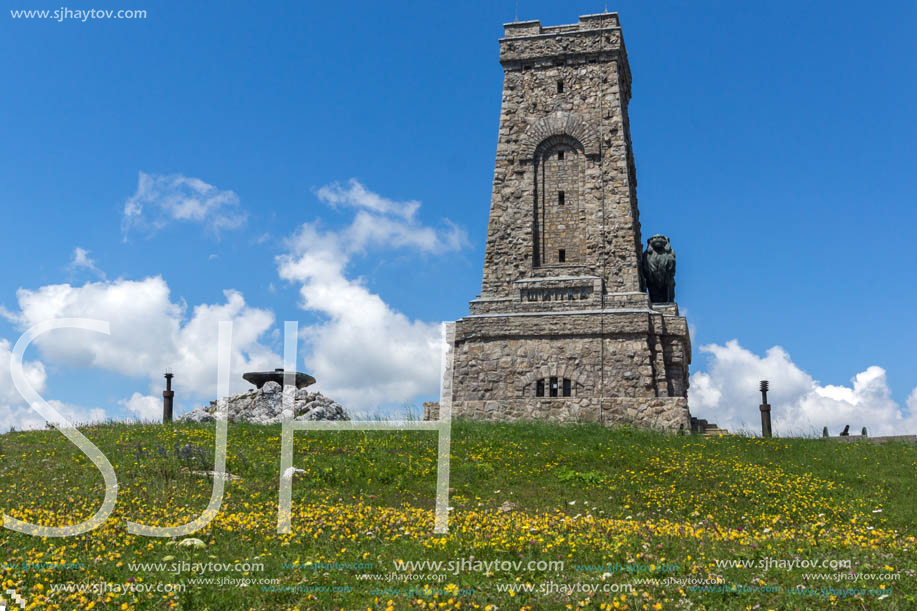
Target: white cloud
380, 222
365, 353
34, 372
149, 332
24, 418
16, 413
727, 393
147, 408
358, 196
160, 200
141, 317
80, 260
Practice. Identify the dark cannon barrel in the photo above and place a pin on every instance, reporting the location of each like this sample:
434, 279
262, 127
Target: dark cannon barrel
259, 378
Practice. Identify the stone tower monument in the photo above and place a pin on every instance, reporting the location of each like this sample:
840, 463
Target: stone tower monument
563, 328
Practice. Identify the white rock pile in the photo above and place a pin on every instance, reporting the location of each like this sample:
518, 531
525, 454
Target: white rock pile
265, 405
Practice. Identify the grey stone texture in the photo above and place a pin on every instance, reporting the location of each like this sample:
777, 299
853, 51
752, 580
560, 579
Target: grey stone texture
431, 410
563, 301
265, 406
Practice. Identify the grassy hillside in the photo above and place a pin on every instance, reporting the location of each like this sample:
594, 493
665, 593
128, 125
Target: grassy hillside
649, 506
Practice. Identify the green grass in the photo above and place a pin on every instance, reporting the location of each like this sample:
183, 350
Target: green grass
582, 495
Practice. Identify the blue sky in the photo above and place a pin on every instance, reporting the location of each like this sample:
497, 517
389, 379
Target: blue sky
774, 144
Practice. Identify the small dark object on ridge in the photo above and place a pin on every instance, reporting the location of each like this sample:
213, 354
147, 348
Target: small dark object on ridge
168, 396
765, 411
846, 431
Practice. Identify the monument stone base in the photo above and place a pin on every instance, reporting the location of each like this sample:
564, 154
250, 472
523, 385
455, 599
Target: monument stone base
618, 365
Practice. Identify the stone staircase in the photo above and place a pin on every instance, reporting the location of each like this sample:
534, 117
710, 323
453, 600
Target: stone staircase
701, 427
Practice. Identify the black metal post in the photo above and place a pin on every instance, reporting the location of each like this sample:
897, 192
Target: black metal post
167, 396
765, 411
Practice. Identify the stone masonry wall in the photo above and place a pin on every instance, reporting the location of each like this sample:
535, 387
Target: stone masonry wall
609, 354
563, 302
590, 114
661, 413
